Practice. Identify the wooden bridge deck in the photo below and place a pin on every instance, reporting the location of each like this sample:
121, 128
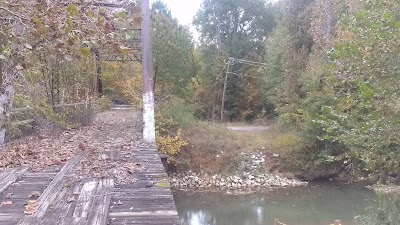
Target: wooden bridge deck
94, 201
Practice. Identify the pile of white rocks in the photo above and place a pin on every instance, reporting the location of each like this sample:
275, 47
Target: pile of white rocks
254, 161
193, 181
385, 189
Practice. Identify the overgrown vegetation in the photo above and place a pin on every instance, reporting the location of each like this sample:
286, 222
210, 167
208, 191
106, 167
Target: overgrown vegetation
329, 75
336, 81
50, 57
386, 211
326, 70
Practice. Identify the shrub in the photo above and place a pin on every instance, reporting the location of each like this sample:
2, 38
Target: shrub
170, 145
179, 111
387, 212
168, 136
132, 90
103, 103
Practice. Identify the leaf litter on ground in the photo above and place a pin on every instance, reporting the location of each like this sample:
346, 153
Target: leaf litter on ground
108, 147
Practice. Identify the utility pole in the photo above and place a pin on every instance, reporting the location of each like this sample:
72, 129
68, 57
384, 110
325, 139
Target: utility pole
149, 131
98, 70
230, 60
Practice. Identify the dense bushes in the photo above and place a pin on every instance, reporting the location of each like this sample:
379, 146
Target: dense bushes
172, 116
343, 95
387, 212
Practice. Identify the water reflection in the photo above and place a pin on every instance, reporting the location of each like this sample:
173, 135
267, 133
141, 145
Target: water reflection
315, 205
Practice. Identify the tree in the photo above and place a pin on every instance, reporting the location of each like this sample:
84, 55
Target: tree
241, 26
364, 76
68, 30
238, 29
173, 51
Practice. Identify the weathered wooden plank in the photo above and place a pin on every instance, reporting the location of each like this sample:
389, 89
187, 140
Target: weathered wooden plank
73, 221
3, 174
65, 208
40, 174
143, 202
134, 190
59, 202
101, 204
23, 122
29, 221
19, 194
8, 216
143, 222
11, 177
51, 191
138, 208
131, 197
34, 180
8, 222
56, 185
85, 199
144, 213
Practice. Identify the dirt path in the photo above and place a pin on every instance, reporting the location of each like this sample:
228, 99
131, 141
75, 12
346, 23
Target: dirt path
248, 128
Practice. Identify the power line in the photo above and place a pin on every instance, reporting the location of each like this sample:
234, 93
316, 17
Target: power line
230, 62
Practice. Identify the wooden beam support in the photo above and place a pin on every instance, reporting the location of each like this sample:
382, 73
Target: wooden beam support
51, 192
11, 177
149, 130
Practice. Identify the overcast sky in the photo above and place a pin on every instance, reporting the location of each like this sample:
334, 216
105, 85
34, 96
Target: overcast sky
183, 10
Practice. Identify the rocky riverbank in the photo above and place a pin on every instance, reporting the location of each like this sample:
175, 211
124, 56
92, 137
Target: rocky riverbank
386, 189
192, 180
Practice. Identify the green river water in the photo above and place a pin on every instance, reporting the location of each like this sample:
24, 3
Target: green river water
311, 205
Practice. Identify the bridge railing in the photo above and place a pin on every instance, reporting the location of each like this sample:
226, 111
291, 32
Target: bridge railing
22, 120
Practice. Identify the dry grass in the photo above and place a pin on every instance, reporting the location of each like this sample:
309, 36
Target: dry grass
215, 149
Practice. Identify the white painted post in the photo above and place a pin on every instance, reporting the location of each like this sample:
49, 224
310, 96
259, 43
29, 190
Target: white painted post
149, 130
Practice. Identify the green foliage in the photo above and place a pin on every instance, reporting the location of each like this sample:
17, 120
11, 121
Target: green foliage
363, 116
273, 75
163, 184
103, 103
242, 25
122, 82
172, 52
179, 111
386, 212
232, 28
207, 85
339, 84
170, 145
168, 136
173, 115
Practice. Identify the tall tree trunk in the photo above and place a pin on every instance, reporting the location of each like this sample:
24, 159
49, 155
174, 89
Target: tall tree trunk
7, 91
149, 130
155, 78
99, 77
218, 23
